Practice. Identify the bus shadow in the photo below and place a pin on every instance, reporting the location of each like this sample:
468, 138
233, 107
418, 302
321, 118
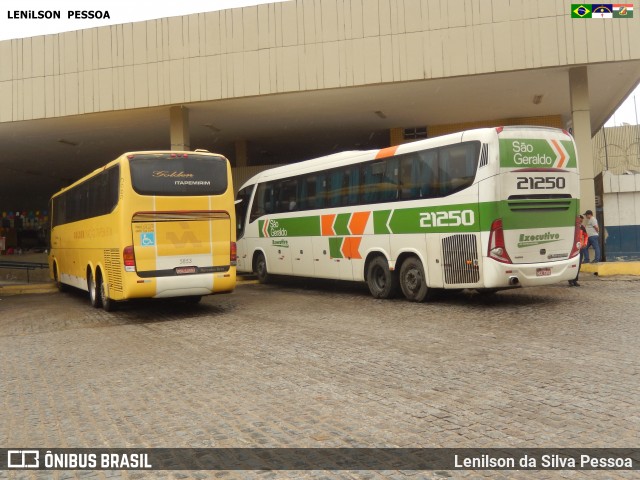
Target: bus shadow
500, 299
149, 310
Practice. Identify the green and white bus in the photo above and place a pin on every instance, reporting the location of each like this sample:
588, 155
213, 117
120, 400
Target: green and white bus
484, 209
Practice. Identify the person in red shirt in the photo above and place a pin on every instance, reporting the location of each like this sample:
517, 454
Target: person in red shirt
584, 240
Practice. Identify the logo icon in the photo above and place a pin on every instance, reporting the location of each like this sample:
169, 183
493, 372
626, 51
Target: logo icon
23, 459
147, 239
580, 11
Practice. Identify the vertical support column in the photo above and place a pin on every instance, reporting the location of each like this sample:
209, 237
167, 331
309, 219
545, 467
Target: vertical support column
581, 118
179, 128
241, 153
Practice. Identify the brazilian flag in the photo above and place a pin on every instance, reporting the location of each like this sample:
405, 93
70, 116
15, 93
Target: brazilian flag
580, 10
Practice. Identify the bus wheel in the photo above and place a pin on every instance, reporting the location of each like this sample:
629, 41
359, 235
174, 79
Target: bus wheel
261, 269
382, 282
59, 285
107, 304
94, 298
412, 280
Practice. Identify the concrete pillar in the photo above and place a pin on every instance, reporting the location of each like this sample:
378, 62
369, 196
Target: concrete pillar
581, 119
179, 128
241, 153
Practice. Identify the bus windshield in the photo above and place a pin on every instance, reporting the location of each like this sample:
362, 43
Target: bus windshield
178, 174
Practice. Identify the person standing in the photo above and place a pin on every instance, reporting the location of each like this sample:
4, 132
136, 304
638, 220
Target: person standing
591, 224
583, 238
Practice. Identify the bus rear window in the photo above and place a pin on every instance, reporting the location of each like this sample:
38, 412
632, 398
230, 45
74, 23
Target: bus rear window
178, 175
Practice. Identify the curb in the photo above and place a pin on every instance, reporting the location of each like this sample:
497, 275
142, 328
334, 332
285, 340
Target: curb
7, 290
606, 269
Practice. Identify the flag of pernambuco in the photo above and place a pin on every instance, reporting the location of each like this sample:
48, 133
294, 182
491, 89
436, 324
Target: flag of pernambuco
602, 10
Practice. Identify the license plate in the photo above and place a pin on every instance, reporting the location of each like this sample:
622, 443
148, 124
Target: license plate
185, 270
543, 272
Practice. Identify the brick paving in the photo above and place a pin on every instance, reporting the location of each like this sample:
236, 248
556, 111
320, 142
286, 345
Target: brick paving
313, 364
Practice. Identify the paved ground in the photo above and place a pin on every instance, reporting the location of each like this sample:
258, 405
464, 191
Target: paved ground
325, 365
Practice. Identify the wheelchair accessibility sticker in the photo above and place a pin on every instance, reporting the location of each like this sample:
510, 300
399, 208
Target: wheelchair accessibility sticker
147, 239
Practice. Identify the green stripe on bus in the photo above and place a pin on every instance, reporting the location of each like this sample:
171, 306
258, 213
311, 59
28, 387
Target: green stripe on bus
291, 227
341, 225
380, 219
335, 246
461, 218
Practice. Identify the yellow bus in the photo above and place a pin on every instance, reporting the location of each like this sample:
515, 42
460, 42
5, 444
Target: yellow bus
154, 224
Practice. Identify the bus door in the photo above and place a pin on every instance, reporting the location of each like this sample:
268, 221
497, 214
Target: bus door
242, 210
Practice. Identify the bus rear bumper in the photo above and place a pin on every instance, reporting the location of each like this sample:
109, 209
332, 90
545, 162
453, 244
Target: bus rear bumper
182, 286
498, 275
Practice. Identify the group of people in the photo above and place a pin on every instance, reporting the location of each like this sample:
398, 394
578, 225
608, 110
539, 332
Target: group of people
589, 237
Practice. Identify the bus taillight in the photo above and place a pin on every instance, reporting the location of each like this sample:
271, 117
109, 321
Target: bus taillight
129, 259
497, 247
233, 254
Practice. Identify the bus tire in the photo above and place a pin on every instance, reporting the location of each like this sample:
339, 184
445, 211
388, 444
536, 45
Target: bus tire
382, 282
107, 304
413, 281
59, 285
94, 296
261, 269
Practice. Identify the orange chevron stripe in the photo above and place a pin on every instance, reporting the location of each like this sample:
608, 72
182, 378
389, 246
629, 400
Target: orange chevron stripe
350, 247
387, 152
358, 222
327, 225
563, 157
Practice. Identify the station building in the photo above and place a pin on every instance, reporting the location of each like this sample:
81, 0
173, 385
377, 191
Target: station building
283, 82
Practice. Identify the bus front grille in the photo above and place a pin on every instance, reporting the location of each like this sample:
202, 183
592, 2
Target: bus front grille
460, 259
112, 267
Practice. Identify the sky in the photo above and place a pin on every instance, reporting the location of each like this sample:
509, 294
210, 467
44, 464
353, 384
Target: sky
124, 11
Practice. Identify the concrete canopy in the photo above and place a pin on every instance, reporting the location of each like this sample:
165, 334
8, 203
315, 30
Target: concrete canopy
46, 144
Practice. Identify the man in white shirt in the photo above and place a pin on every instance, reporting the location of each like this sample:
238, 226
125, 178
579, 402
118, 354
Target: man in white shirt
591, 224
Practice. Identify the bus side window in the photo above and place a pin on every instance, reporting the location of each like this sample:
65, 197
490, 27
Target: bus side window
336, 188
372, 176
352, 187
286, 195
410, 177
389, 185
459, 163
321, 190
262, 201
428, 173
